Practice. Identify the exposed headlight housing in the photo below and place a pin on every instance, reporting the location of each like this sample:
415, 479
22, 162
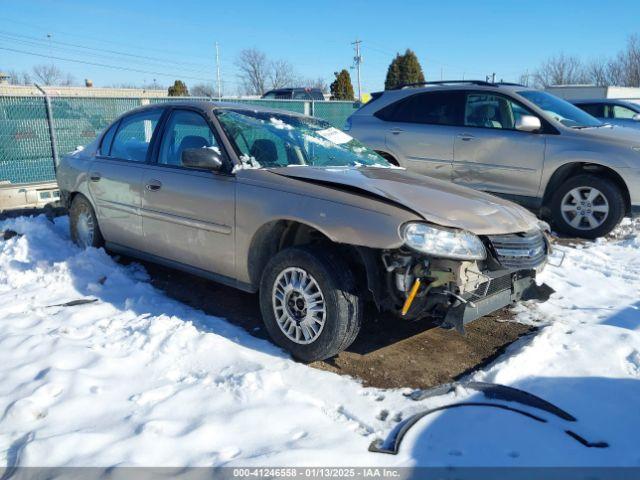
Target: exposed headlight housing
443, 242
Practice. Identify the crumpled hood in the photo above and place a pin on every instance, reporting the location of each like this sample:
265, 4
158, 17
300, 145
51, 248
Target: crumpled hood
437, 201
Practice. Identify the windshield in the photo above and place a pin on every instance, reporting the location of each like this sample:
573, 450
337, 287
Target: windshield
560, 110
265, 139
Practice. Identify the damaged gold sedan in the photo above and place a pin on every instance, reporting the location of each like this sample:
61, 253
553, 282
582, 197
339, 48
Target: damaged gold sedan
292, 208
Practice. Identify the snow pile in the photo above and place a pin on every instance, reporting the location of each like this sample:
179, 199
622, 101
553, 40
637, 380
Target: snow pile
587, 361
136, 378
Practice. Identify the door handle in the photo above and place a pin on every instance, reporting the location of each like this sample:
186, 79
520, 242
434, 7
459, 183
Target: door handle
153, 185
465, 137
396, 131
95, 176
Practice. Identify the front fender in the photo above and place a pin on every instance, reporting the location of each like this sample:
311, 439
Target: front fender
376, 225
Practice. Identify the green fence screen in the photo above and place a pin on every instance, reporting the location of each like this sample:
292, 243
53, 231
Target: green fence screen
25, 143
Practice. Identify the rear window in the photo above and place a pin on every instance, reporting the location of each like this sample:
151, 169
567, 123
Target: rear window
437, 108
134, 134
105, 145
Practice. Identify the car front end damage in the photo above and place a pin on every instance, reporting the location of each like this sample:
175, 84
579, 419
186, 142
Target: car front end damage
498, 271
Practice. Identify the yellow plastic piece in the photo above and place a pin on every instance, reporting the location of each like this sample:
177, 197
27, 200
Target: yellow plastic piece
412, 295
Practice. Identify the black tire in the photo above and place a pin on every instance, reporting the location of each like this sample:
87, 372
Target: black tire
609, 189
81, 206
344, 308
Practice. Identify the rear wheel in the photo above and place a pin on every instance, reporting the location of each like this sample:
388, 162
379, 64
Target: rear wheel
309, 304
85, 231
587, 206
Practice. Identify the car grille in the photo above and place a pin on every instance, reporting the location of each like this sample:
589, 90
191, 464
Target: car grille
519, 250
494, 285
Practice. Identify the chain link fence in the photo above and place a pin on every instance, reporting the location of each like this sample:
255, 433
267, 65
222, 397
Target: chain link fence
26, 152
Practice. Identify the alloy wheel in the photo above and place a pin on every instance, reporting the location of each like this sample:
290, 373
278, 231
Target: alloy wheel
584, 208
85, 228
299, 305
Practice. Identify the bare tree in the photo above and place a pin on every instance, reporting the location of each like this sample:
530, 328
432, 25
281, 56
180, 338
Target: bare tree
202, 90
51, 75
560, 70
597, 72
253, 68
281, 74
525, 79
319, 83
19, 78
625, 68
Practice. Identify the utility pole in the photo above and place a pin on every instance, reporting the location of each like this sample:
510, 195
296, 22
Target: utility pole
357, 61
49, 36
218, 72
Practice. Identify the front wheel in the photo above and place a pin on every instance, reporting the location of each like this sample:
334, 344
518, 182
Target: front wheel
587, 206
309, 304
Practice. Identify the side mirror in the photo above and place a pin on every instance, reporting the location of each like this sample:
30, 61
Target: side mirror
636, 117
205, 157
528, 123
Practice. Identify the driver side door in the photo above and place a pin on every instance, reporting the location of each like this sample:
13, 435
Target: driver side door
188, 214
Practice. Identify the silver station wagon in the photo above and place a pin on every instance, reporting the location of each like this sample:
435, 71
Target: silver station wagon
290, 207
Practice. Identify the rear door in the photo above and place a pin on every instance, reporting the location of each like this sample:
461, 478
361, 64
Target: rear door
116, 176
490, 154
421, 129
188, 214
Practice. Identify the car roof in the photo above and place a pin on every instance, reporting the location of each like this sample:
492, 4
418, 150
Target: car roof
294, 89
460, 85
622, 101
205, 105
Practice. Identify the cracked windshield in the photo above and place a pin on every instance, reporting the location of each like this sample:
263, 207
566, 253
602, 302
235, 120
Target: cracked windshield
267, 140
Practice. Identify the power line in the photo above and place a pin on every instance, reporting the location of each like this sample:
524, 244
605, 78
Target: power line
84, 47
73, 50
96, 64
40, 28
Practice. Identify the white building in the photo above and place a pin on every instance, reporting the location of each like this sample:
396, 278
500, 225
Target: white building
588, 92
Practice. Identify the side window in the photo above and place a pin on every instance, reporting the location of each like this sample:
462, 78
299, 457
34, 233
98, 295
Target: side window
105, 145
134, 134
492, 111
184, 130
594, 109
429, 108
301, 95
622, 112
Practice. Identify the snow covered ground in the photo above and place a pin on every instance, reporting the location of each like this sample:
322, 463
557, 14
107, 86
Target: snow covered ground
136, 378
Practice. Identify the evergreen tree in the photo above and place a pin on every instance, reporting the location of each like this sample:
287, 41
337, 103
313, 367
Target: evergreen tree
341, 88
404, 69
393, 73
178, 89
